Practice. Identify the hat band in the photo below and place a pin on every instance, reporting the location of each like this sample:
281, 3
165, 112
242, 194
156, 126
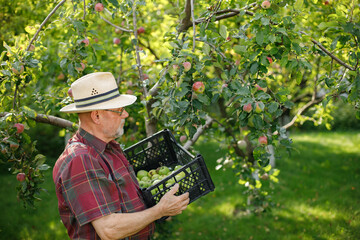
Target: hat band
85, 102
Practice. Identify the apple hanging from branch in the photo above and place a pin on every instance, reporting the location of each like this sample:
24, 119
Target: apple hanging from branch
247, 107
265, 4
198, 87
263, 140
99, 7
21, 177
86, 42
116, 41
187, 66
20, 127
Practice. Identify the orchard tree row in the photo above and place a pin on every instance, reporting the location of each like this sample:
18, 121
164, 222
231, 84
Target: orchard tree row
242, 72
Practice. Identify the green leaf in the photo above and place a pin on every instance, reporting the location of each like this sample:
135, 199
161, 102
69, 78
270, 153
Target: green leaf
97, 47
206, 49
240, 49
43, 167
80, 26
29, 112
254, 67
298, 4
243, 91
273, 106
260, 37
204, 99
223, 31
71, 70
282, 30
296, 47
265, 21
63, 63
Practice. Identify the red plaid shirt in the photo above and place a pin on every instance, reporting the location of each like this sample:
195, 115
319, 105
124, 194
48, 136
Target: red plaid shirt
86, 190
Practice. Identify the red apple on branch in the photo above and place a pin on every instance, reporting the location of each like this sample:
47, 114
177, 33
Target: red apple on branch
20, 127
61, 76
263, 140
80, 69
86, 42
247, 107
70, 93
145, 76
18, 72
183, 138
14, 146
99, 7
187, 66
269, 59
265, 4
258, 108
21, 177
141, 30
116, 41
198, 87
260, 88
118, 31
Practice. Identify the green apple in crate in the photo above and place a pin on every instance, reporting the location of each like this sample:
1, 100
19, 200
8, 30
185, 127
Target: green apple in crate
164, 170
141, 173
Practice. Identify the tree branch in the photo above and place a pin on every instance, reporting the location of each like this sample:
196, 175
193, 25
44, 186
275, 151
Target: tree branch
49, 119
198, 133
84, 10
185, 22
193, 23
116, 26
44, 22
329, 53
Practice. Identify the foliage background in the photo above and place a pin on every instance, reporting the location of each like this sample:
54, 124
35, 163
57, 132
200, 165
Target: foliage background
312, 77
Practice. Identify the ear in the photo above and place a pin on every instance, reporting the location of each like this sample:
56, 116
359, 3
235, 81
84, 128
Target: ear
95, 116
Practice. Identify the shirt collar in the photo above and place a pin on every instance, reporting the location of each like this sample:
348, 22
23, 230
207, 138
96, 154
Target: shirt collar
97, 143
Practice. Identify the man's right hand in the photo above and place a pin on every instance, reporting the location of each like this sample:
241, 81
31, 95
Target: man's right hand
171, 205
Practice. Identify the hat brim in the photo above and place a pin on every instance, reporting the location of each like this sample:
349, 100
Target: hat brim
118, 102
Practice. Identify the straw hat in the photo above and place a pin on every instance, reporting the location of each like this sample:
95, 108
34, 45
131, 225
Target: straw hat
97, 91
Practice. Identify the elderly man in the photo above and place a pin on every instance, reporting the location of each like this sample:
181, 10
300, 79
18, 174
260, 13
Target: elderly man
98, 194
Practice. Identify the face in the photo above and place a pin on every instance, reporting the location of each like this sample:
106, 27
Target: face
115, 121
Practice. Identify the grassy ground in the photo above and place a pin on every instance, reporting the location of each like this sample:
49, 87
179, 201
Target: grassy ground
317, 197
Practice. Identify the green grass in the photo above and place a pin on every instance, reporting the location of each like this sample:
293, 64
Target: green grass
317, 197
42, 223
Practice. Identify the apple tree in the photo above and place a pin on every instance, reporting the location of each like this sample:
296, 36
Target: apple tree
242, 72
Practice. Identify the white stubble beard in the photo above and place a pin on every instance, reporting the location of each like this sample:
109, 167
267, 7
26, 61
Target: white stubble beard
120, 130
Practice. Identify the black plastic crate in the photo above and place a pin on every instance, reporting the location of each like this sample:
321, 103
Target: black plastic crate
161, 149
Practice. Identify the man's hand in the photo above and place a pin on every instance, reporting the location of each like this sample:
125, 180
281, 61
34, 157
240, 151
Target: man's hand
171, 205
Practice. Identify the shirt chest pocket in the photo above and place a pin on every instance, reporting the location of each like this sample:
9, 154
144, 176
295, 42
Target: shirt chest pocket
128, 193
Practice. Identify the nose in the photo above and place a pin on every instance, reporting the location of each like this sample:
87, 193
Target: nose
125, 114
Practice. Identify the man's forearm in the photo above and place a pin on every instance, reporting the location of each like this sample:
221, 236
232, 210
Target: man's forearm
121, 225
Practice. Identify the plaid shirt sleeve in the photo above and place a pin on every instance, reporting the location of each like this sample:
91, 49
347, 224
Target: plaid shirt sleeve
87, 190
